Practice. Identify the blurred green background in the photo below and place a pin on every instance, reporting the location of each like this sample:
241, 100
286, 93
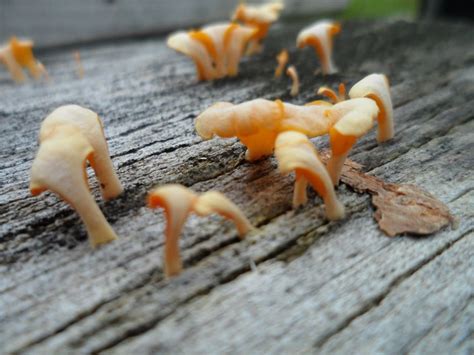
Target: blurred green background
381, 8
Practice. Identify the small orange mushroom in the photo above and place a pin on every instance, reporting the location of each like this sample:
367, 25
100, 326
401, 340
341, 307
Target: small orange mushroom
332, 95
320, 37
282, 59
216, 49
178, 202
79, 67
259, 16
377, 88
17, 55
90, 125
295, 86
257, 123
295, 152
60, 166
353, 118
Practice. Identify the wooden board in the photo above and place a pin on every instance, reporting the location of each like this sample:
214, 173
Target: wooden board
299, 284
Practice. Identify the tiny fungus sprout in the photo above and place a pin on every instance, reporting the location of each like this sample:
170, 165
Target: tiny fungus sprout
178, 202
295, 152
332, 95
90, 125
60, 166
293, 74
320, 37
282, 59
377, 88
216, 49
16, 55
260, 17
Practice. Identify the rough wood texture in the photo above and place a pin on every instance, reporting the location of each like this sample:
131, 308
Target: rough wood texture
299, 284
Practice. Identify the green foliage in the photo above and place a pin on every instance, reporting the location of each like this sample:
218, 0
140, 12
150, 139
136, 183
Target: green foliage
381, 8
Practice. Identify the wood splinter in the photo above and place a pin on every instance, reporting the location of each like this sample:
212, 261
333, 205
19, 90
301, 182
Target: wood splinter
69, 137
178, 202
400, 209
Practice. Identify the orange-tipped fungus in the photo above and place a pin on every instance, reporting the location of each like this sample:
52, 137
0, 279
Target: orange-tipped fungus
216, 49
377, 88
90, 125
320, 37
353, 118
260, 17
17, 55
178, 202
295, 86
332, 95
60, 166
282, 59
295, 152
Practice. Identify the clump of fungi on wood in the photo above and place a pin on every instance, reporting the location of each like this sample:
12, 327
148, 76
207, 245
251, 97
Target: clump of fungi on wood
72, 135
215, 49
178, 202
261, 125
18, 54
69, 137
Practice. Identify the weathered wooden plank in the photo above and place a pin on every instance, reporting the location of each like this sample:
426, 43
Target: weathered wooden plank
57, 294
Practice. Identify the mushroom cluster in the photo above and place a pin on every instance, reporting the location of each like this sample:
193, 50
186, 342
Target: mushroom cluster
215, 49
263, 125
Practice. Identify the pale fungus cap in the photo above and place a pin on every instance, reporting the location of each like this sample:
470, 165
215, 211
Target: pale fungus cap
60, 166
295, 152
320, 37
255, 123
377, 88
178, 202
216, 49
90, 125
18, 54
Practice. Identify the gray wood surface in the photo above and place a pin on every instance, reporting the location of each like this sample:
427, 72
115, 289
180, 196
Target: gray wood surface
298, 284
